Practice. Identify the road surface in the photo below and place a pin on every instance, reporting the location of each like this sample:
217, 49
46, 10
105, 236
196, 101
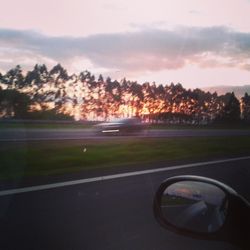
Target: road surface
109, 214
75, 134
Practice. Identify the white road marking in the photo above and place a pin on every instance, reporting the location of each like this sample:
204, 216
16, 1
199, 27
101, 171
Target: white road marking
115, 176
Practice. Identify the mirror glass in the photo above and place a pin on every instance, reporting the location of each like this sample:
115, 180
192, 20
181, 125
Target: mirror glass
195, 206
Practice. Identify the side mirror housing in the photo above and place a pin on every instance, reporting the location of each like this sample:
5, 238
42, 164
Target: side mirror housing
203, 208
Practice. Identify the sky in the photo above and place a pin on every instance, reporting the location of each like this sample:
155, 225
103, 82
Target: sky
197, 43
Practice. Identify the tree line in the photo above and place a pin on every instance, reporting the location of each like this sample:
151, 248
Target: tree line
54, 94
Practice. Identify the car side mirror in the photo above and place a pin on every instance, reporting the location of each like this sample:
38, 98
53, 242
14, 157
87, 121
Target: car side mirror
203, 208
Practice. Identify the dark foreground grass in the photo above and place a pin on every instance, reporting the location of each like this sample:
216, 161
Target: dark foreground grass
223, 126
48, 158
44, 126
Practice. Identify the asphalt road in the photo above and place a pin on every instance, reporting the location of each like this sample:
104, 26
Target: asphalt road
108, 214
75, 134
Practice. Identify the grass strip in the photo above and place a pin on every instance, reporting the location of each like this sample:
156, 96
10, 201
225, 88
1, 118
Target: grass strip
44, 126
19, 160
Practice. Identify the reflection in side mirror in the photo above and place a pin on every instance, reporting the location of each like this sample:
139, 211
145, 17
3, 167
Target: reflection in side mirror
195, 206
203, 208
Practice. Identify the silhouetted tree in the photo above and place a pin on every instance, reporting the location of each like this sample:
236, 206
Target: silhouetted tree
100, 78
231, 110
84, 96
38, 76
58, 74
14, 78
246, 107
14, 104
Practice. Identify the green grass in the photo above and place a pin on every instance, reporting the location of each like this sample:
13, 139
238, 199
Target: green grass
48, 158
209, 126
170, 200
44, 126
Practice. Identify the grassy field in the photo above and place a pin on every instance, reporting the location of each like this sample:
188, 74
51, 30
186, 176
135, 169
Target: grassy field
43, 125
50, 158
209, 126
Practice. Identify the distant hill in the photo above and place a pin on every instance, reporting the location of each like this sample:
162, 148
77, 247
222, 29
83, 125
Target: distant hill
239, 91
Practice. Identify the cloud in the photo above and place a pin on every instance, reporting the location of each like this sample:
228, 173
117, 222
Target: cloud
141, 51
